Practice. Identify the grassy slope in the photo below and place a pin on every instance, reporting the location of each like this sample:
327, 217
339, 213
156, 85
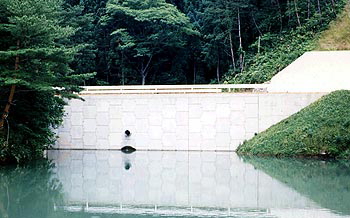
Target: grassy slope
337, 35
322, 127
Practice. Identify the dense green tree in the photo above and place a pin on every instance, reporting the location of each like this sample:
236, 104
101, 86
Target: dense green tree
82, 21
145, 33
223, 23
35, 75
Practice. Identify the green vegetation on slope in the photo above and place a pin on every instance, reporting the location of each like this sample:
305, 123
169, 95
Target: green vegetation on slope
337, 36
323, 128
324, 182
283, 49
274, 51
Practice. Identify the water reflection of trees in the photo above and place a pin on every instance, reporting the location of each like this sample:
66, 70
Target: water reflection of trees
29, 191
325, 182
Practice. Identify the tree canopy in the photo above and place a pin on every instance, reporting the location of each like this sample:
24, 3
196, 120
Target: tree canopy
145, 31
188, 42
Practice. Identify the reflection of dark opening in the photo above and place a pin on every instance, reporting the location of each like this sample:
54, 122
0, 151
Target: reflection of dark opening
128, 149
127, 133
127, 165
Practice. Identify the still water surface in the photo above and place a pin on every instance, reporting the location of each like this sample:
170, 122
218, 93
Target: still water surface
108, 184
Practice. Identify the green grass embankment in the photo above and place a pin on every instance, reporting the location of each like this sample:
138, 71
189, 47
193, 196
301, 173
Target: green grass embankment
321, 129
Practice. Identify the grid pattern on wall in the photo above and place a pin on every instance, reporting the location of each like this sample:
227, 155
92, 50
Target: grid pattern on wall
204, 122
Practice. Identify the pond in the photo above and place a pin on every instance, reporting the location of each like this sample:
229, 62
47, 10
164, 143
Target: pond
106, 184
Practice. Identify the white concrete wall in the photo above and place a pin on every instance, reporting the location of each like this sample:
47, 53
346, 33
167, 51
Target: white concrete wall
315, 71
174, 121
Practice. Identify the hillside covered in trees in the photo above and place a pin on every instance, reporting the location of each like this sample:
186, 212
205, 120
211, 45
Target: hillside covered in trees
186, 41
191, 42
48, 48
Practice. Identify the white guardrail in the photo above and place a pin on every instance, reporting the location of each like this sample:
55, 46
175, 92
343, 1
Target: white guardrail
166, 89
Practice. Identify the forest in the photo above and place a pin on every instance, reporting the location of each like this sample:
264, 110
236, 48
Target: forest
48, 48
192, 42
181, 41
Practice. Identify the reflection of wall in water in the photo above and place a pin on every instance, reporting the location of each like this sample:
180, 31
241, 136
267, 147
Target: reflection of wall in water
175, 122
170, 179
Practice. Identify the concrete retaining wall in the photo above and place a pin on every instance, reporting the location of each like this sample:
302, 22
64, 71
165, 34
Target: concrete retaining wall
174, 121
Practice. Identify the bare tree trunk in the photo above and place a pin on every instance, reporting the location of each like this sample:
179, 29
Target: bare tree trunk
240, 43
232, 53
239, 29
288, 9
296, 12
319, 6
256, 25
308, 9
260, 34
280, 13
194, 73
319, 10
12, 93
218, 69
144, 70
123, 76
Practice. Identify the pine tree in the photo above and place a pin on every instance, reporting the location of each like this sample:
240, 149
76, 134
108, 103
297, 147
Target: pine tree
34, 71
